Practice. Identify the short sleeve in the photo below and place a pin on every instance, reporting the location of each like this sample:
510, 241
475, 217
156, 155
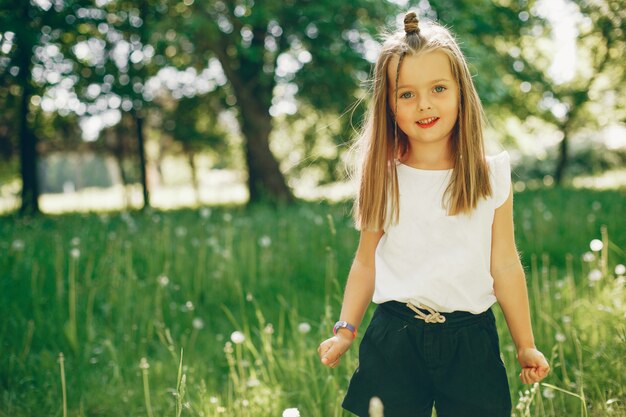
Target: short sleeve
500, 166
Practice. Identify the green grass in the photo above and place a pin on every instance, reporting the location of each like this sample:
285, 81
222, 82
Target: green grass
143, 306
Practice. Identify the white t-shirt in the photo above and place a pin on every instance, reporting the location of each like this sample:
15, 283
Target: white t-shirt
434, 259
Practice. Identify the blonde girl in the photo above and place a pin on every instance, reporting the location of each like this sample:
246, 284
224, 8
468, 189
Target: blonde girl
437, 246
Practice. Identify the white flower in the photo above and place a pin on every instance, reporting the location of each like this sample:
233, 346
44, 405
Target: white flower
596, 245
620, 269
265, 241
17, 245
589, 257
205, 213
188, 306
560, 337
237, 337
376, 407
163, 280
595, 275
291, 412
143, 364
213, 400
253, 382
567, 319
197, 323
304, 328
75, 253
548, 393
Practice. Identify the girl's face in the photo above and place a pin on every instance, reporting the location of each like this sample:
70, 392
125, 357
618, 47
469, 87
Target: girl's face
428, 97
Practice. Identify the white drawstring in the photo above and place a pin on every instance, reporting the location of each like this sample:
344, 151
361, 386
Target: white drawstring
433, 317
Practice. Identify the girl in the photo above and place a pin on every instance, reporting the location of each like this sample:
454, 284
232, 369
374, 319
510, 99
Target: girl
437, 247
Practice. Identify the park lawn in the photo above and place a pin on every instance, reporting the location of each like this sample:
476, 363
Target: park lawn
218, 311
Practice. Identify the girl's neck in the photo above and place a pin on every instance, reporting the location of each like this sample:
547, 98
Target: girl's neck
430, 158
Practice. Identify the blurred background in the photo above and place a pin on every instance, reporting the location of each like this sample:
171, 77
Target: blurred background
114, 104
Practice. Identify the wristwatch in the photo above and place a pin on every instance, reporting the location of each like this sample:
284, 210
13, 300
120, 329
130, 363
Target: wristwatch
344, 325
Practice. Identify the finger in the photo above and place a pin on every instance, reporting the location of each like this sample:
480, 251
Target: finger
324, 348
336, 363
329, 356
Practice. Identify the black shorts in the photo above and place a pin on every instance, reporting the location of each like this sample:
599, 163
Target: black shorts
412, 365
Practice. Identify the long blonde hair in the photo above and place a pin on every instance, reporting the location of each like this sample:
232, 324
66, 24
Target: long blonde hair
380, 142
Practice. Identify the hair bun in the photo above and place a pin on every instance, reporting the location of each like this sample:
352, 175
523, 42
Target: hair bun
411, 24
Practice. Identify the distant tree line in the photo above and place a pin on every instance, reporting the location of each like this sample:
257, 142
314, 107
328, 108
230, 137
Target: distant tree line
64, 60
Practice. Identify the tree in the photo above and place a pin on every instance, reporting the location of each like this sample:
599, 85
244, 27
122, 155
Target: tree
31, 31
593, 96
319, 47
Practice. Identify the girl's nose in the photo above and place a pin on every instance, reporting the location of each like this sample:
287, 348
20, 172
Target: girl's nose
424, 104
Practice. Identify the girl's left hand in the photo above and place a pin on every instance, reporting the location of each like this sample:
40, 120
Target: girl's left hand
534, 365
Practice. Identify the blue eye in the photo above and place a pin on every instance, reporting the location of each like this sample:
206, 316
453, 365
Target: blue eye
406, 95
440, 89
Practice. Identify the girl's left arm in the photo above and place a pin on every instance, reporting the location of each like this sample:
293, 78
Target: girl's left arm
510, 290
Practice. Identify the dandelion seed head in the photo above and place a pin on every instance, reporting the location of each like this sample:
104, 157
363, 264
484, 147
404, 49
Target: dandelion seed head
205, 212
17, 245
376, 407
566, 319
213, 400
269, 329
189, 306
163, 280
304, 328
548, 393
595, 275
291, 412
75, 241
220, 410
143, 364
560, 337
265, 241
589, 257
197, 323
249, 297
596, 245
253, 382
245, 403
237, 337
75, 253
620, 269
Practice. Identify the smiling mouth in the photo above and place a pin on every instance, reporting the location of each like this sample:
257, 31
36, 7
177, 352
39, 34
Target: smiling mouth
428, 122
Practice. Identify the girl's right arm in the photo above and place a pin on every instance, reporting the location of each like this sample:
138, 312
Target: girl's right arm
357, 297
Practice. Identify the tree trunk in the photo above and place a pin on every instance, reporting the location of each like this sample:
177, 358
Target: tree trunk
28, 139
563, 156
265, 180
194, 174
142, 160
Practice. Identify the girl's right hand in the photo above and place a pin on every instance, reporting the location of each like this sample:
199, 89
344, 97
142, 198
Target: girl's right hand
331, 350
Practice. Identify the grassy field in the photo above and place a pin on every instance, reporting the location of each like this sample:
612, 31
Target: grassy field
218, 311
